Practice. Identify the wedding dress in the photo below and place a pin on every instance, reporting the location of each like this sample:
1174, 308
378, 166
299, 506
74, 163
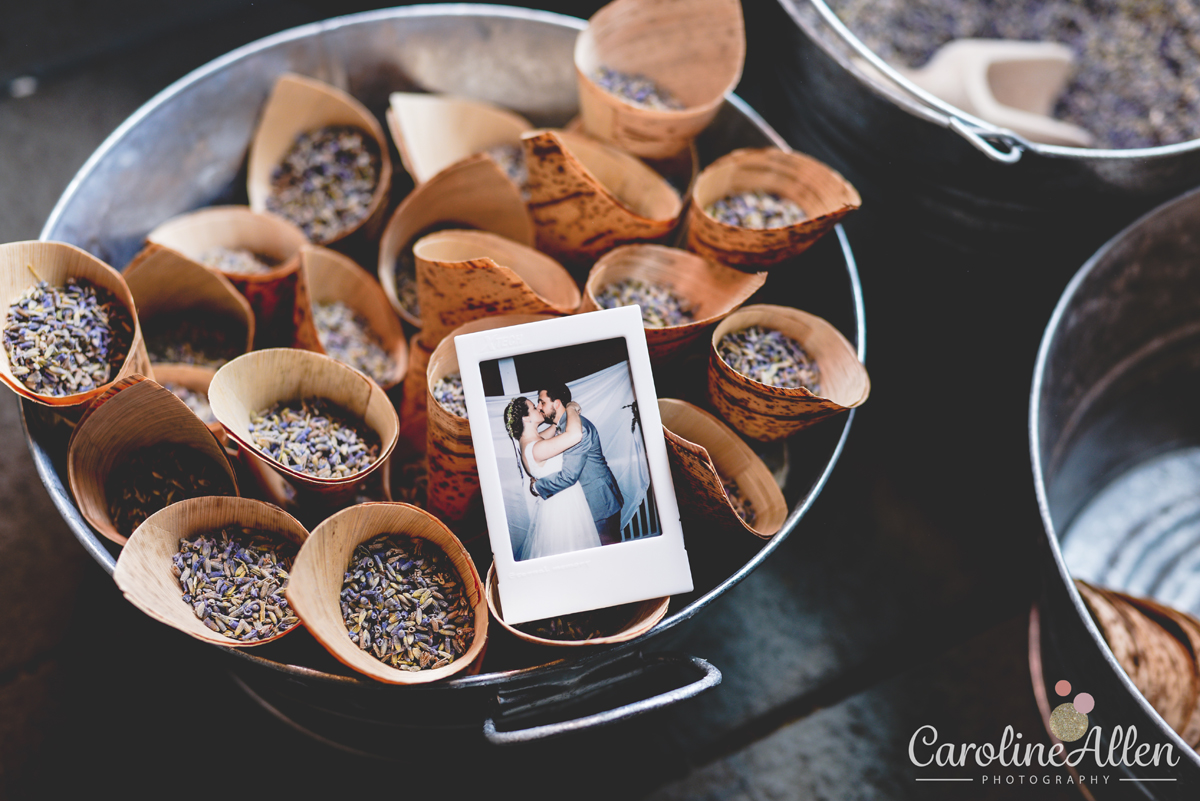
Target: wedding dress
561, 523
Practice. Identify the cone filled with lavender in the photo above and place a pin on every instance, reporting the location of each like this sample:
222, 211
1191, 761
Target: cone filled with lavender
70, 326
774, 370
215, 569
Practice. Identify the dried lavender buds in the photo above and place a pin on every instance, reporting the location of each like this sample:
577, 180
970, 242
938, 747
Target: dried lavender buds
511, 159
196, 401
315, 437
755, 209
579, 626
326, 181
197, 338
61, 340
770, 357
347, 337
660, 306
234, 580
637, 89
742, 505
153, 478
448, 392
404, 603
238, 260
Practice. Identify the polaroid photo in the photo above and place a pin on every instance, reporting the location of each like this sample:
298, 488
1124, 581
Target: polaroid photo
573, 466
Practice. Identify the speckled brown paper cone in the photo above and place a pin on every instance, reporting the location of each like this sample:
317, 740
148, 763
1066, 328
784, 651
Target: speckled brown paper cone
257, 381
709, 290
466, 275
272, 294
703, 452
297, 105
144, 570
824, 196
330, 277
473, 193
587, 198
134, 413
434, 131
316, 584
769, 413
642, 617
23, 264
164, 282
414, 418
197, 379
449, 450
1186, 629
695, 49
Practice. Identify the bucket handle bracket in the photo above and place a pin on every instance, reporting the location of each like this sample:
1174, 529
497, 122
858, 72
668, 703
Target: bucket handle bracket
981, 142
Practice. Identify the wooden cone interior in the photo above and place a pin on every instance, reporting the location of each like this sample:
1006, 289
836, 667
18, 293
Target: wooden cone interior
1186, 629
134, 413
704, 451
643, 617
587, 198
23, 264
330, 277
710, 290
144, 566
237, 228
164, 281
695, 49
197, 379
297, 105
768, 413
473, 193
317, 577
434, 131
465, 275
823, 194
256, 381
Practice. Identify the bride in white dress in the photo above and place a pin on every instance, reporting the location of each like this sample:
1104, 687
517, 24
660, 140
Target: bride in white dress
563, 522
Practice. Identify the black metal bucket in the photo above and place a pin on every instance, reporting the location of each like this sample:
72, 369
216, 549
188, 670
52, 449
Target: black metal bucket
1114, 435
186, 148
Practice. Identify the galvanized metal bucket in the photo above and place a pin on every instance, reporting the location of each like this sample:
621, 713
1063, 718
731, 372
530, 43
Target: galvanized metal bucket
186, 149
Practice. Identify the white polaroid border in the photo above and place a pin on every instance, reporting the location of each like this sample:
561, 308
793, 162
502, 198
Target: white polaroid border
592, 578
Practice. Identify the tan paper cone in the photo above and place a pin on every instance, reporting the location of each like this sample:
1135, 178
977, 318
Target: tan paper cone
144, 568
197, 379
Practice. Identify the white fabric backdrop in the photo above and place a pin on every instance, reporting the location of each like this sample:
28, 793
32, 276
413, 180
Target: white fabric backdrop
603, 396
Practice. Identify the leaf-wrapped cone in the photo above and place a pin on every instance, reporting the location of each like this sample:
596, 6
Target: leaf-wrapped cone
143, 570
642, 617
330, 277
473, 193
695, 49
703, 452
586, 198
297, 105
710, 290
260, 379
824, 196
317, 577
23, 264
769, 413
133, 414
434, 131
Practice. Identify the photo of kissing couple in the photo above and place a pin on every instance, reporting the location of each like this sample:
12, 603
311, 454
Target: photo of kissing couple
569, 441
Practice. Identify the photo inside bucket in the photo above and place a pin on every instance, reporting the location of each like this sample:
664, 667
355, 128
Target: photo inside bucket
570, 449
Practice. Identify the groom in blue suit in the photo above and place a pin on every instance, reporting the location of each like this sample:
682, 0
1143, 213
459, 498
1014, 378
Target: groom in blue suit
583, 462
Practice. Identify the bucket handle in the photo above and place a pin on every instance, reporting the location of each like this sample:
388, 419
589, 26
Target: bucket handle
710, 677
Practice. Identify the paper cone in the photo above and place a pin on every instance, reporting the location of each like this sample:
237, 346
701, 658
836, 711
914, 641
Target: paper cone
642, 617
319, 573
23, 264
434, 131
258, 380
331, 277
770, 413
710, 290
144, 568
587, 198
473, 193
695, 49
1186, 629
824, 195
197, 379
297, 105
133, 414
414, 418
